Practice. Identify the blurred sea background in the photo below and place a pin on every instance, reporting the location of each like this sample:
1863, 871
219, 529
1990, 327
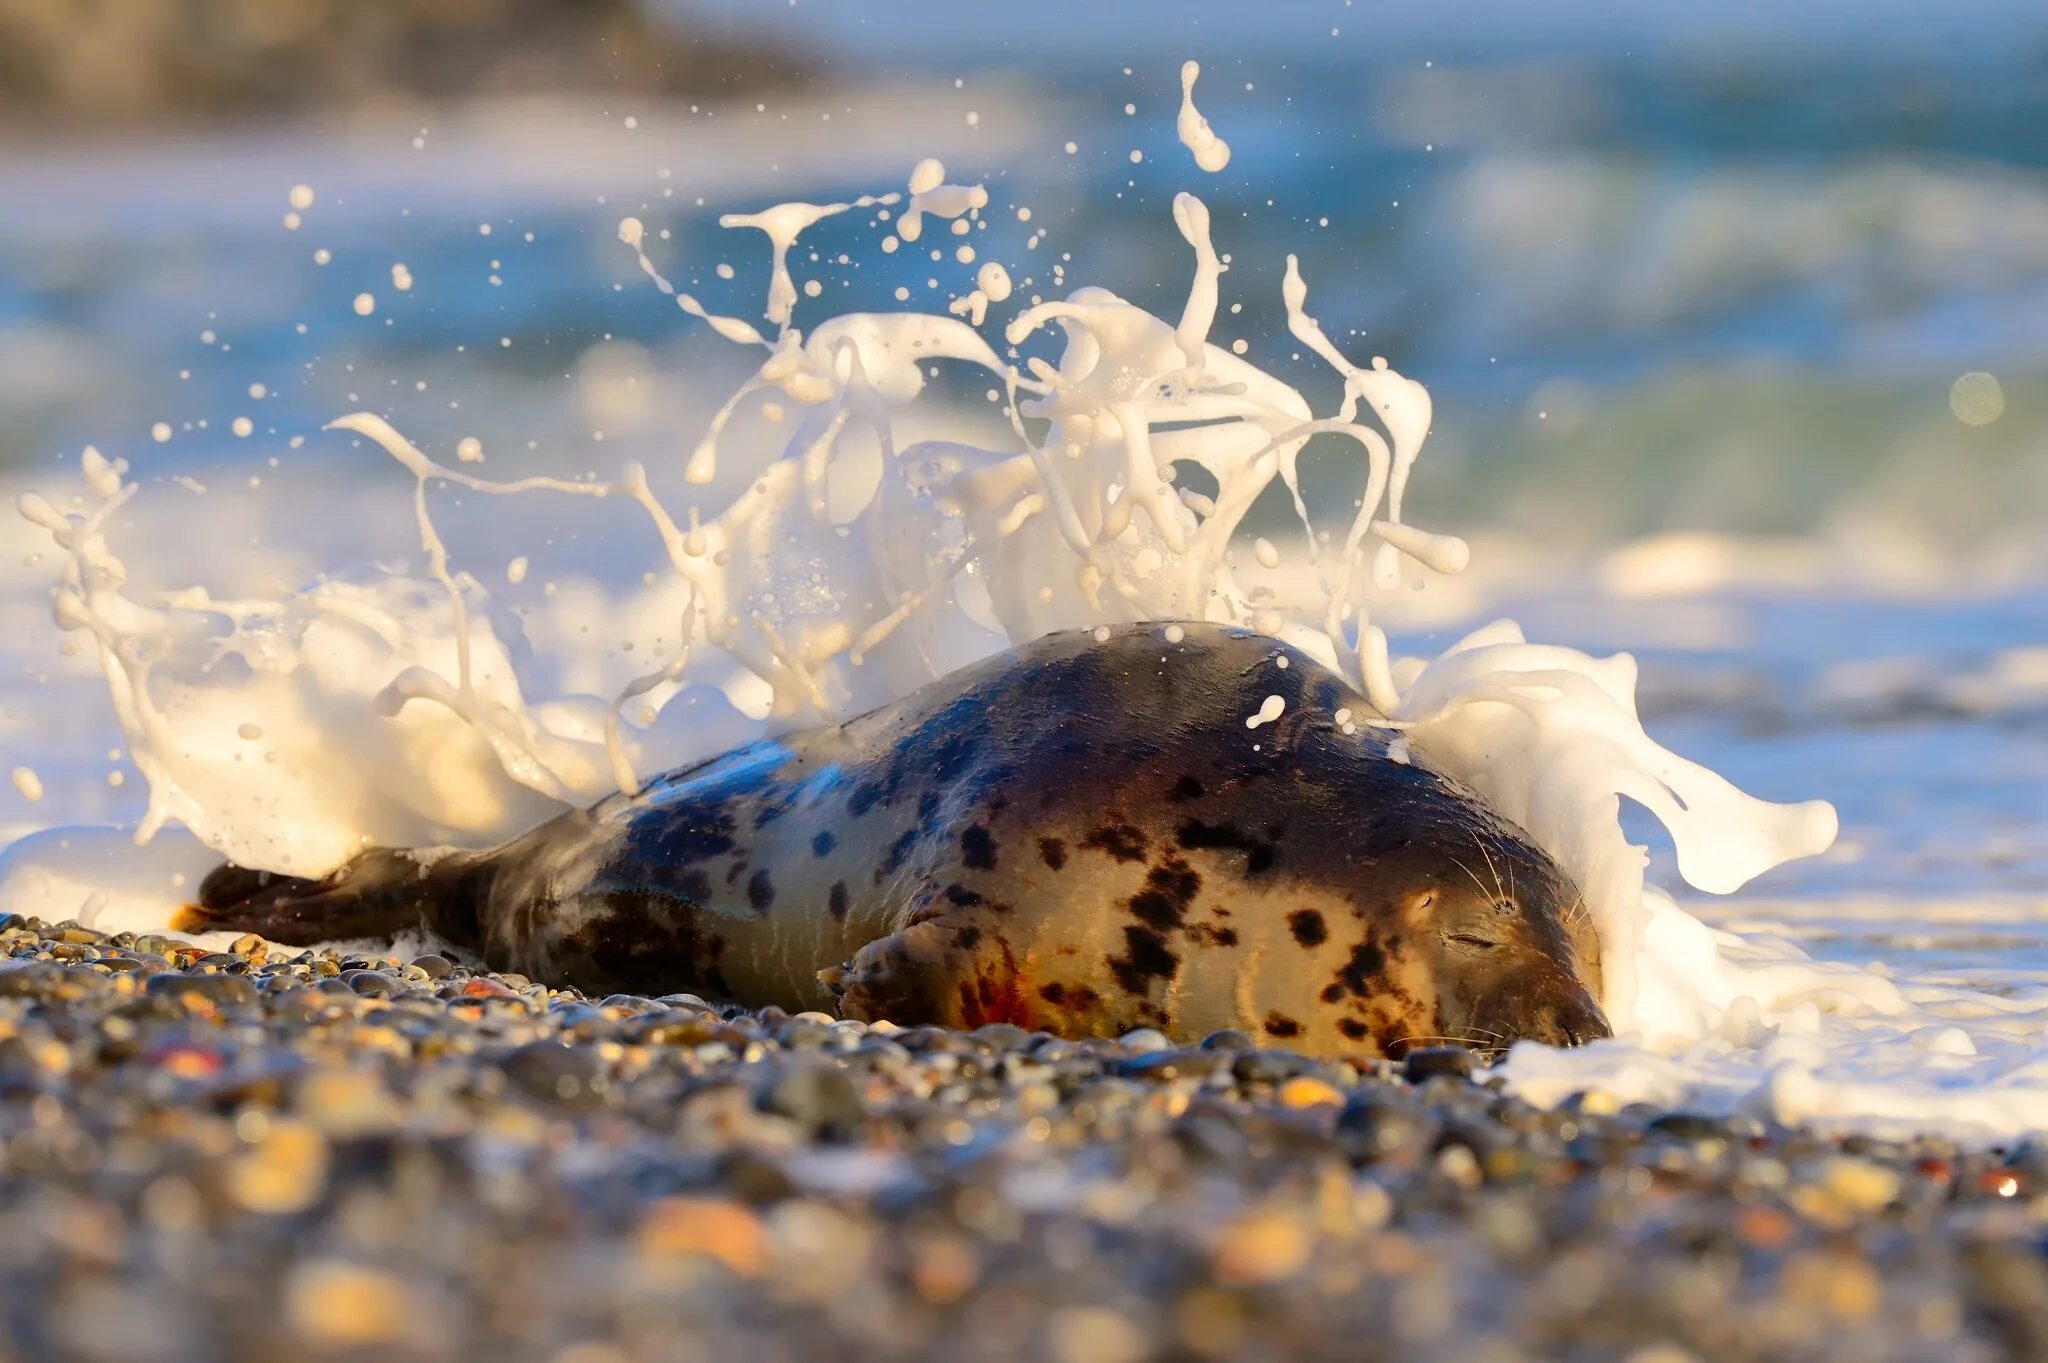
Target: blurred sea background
1735, 317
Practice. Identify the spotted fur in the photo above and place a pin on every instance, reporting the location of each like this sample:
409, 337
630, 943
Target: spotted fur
1081, 836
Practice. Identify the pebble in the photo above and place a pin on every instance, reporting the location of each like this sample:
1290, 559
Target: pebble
1305, 1091
263, 1153
821, 1099
434, 967
337, 1305
203, 993
1144, 1041
680, 1227
1430, 1062
1861, 1184
573, 1076
284, 1172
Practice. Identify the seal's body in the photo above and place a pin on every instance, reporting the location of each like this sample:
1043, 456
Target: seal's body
1091, 833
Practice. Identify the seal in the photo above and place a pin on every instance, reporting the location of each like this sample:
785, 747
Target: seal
1187, 827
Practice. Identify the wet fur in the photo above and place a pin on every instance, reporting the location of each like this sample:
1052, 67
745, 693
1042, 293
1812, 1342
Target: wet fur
1078, 836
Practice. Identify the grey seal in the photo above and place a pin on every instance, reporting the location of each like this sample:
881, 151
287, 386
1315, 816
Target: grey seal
1084, 835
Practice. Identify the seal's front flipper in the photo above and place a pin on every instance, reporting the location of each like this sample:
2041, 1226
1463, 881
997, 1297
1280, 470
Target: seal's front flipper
957, 969
379, 894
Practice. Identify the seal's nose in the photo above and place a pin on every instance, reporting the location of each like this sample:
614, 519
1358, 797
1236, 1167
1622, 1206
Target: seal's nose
1570, 1021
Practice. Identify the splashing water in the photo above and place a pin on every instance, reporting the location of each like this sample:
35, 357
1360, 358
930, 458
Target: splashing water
1211, 152
378, 708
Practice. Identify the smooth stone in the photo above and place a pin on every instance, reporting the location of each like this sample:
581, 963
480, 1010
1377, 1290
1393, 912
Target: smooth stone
1433, 1062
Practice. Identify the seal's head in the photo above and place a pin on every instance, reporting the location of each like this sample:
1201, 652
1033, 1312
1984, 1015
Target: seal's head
1516, 957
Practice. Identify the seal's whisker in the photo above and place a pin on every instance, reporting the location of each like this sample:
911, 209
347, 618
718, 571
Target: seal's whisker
1500, 891
1456, 1040
1477, 883
1489, 1052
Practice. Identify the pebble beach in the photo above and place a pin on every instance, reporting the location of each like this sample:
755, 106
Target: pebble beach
261, 1153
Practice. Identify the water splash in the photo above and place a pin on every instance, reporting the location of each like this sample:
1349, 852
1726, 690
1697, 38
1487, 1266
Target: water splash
397, 710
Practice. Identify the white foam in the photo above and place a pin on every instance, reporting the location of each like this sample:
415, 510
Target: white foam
1211, 152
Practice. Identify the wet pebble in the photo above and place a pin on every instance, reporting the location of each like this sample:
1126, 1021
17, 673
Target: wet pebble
552, 1072
820, 1098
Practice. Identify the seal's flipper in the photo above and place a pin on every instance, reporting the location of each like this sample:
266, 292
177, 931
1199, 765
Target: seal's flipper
379, 894
953, 970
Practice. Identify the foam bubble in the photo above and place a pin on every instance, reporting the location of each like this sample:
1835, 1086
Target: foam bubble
1211, 152
1269, 710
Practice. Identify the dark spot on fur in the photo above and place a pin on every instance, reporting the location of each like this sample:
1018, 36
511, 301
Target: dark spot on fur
863, 798
1053, 851
1331, 993
1367, 960
967, 938
822, 845
1120, 840
837, 900
1352, 1028
698, 835
1308, 927
1187, 788
1228, 837
978, 849
1147, 959
761, 892
1170, 888
642, 945
1279, 1024
898, 850
961, 897
1072, 996
949, 741
1149, 906
927, 805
